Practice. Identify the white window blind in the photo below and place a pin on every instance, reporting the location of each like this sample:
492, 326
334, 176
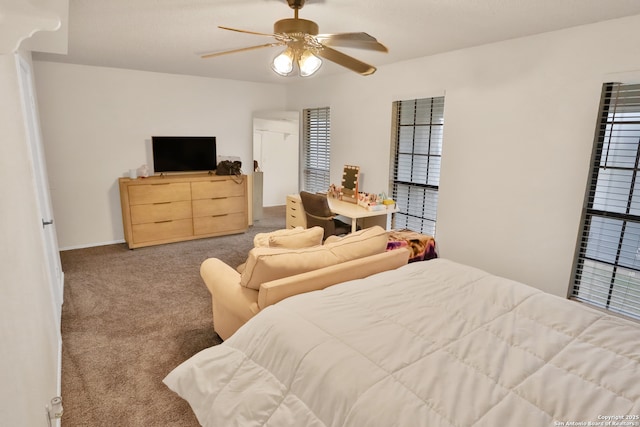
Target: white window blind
416, 162
607, 270
317, 149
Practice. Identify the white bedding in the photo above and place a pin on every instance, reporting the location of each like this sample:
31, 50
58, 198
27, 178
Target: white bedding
430, 344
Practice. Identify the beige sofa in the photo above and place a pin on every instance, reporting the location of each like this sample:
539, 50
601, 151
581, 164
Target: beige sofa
290, 262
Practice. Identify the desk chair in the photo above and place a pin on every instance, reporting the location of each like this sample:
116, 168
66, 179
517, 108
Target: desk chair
316, 207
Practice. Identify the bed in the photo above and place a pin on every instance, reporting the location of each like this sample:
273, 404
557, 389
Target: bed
432, 343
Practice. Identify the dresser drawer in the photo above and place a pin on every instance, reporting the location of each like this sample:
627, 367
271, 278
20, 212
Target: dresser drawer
217, 188
163, 211
295, 213
220, 223
158, 193
294, 202
163, 230
293, 221
218, 206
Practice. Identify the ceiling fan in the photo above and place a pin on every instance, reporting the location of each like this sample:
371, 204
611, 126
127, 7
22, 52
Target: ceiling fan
305, 47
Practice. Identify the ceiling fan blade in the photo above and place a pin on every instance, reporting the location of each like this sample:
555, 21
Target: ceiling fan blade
244, 31
242, 49
346, 61
355, 40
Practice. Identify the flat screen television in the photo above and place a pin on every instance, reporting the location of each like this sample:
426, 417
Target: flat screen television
183, 153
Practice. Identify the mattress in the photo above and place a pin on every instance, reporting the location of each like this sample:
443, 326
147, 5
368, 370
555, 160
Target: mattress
430, 344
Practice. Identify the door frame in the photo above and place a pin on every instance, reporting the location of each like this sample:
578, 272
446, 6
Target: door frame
55, 275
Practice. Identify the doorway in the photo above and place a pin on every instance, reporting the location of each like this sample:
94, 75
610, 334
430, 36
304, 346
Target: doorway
276, 149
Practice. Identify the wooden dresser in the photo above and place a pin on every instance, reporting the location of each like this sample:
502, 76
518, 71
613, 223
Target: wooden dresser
164, 209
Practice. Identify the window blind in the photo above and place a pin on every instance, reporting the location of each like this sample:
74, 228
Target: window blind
317, 149
418, 135
607, 270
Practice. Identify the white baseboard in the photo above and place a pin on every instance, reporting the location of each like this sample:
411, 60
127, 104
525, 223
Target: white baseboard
92, 245
59, 373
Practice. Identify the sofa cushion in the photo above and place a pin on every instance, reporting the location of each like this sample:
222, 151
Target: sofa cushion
267, 264
366, 242
291, 238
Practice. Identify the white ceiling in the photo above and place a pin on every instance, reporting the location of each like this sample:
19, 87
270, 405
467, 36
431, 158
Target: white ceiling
168, 35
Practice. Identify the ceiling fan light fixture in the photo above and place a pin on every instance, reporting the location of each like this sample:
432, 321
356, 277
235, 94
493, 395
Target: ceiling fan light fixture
283, 63
306, 48
308, 63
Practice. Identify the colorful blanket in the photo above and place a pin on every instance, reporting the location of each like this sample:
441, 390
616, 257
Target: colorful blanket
422, 246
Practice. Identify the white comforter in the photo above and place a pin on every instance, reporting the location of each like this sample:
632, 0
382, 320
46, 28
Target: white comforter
430, 344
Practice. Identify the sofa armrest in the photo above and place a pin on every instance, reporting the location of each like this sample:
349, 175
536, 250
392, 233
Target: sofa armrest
214, 271
223, 283
277, 290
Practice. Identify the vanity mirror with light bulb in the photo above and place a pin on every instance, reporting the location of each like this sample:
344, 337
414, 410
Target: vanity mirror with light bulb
350, 177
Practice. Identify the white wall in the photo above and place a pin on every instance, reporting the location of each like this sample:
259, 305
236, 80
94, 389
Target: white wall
29, 345
519, 126
97, 123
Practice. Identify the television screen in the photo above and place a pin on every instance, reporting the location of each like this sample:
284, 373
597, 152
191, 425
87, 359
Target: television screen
183, 153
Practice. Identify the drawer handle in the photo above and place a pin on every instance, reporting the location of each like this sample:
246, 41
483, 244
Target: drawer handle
216, 216
161, 183
162, 222
162, 203
218, 198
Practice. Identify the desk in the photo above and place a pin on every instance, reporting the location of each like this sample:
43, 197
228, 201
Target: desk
296, 216
355, 211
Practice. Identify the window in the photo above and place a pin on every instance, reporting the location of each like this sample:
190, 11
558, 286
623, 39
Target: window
317, 149
416, 162
607, 270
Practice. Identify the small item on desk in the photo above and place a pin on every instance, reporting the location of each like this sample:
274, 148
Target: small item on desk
389, 203
371, 201
376, 207
334, 191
